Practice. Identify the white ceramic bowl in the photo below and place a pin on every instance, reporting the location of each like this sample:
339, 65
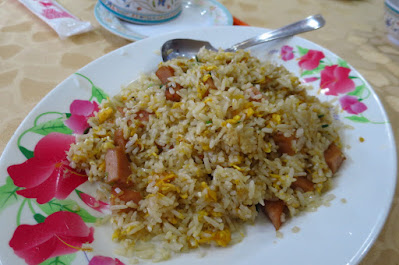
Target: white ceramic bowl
144, 11
392, 20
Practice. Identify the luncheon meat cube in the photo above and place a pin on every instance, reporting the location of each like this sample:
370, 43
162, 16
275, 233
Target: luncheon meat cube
173, 96
125, 194
284, 143
334, 157
206, 93
143, 115
117, 165
164, 72
254, 94
303, 183
120, 109
210, 83
119, 140
274, 210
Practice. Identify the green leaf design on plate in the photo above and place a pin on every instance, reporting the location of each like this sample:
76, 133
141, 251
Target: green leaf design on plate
27, 153
342, 63
96, 92
302, 51
56, 125
39, 218
358, 91
60, 260
358, 119
67, 205
314, 71
8, 194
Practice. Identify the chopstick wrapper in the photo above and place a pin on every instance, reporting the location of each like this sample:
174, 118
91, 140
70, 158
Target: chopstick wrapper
57, 17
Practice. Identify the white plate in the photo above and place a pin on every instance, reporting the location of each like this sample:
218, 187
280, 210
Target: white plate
339, 234
195, 14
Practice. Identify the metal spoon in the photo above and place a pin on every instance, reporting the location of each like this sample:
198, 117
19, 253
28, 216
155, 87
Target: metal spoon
189, 48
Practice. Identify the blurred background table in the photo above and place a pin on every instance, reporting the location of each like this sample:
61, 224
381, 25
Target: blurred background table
33, 60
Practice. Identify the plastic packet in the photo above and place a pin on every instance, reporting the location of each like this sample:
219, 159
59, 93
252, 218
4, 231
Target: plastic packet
57, 17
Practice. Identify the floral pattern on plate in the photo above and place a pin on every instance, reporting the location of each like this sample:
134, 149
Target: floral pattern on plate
61, 224
334, 79
44, 183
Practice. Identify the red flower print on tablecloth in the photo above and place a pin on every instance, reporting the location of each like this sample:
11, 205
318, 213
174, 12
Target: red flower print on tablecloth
101, 260
81, 111
287, 53
47, 175
352, 105
61, 233
335, 80
92, 202
311, 60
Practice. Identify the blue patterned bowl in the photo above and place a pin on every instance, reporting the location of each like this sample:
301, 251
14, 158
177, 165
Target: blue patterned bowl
144, 11
392, 20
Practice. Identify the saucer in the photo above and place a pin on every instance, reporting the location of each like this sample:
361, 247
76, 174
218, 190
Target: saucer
195, 14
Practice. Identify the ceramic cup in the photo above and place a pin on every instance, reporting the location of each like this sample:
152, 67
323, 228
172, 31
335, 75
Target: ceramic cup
144, 11
392, 20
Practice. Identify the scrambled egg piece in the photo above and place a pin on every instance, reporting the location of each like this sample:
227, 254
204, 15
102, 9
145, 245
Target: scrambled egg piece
104, 114
209, 67
206, 77
276, 118
234, 120
211, 194
249, 112
222, 238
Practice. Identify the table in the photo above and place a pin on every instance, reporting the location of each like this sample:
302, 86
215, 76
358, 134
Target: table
34, 60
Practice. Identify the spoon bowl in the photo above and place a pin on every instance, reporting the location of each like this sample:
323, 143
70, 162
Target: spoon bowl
188, 48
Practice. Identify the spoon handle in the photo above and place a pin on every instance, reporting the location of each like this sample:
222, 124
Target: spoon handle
307, 24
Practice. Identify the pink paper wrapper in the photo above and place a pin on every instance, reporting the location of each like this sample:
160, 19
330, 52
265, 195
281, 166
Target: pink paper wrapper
57, 17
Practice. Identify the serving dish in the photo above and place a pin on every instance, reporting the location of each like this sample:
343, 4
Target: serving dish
339, 234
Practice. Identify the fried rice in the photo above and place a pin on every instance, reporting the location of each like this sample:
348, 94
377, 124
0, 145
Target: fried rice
203, 163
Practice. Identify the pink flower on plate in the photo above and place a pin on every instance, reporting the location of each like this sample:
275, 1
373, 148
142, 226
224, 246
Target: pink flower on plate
81, 111
61, 233
352, 105
311, 60
47, 175
101, 260
92, 202
286, 53
310, 79
335, 80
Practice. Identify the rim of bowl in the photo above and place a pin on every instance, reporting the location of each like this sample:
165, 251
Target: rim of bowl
393, 4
